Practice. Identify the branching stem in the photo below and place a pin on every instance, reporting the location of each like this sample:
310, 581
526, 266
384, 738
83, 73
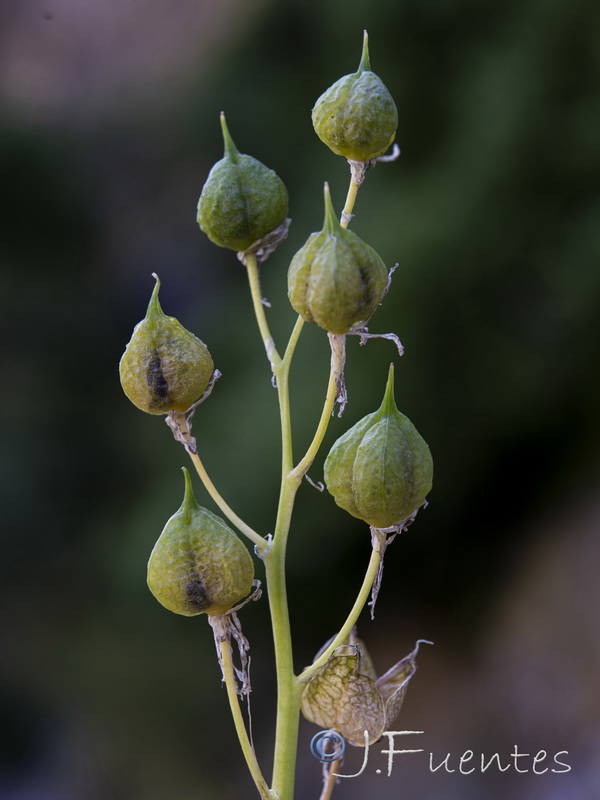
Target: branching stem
289, 687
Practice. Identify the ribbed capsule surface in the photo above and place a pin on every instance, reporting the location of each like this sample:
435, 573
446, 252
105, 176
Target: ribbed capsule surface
380, 470
242, 200
336, 280
164, 366
199, 565
357, 117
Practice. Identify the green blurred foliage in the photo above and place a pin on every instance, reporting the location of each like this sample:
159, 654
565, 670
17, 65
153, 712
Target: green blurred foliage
492, 215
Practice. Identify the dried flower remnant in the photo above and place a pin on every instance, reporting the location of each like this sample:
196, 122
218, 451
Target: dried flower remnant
346, 696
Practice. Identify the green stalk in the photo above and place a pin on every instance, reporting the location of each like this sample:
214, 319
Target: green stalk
346, 215
259, 310
239, 523
289, 688
359, 604
334, 387
288, 691
223, 643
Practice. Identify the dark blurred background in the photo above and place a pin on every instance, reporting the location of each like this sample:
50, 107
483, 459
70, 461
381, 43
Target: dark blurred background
108, 128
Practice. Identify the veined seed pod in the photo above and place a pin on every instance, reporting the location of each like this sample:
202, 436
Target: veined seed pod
357, 117
336, 280
199, 565
381, 469
164, 367
347, 696
242, 200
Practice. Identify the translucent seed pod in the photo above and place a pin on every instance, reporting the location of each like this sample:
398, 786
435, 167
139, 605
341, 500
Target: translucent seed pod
347, 696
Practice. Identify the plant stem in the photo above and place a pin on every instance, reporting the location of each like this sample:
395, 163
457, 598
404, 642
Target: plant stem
336, 376
282, 373
293, 341
289, 691
259, 310
289, 688
329, 781
303, 466
239, 523
350, 200
334, 389
359, 604
223, 643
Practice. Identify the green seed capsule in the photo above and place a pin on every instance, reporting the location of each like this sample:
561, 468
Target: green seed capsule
242, 200
164, 367
381, 469
357, 117
336, 280
199, 565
